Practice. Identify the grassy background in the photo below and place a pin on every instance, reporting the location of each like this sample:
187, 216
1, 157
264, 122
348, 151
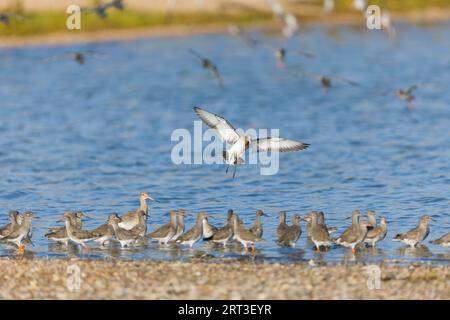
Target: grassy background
46, 22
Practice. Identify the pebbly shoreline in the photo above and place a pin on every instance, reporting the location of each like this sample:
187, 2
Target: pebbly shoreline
122, 279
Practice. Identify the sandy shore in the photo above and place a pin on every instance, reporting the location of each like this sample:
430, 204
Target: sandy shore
49, 279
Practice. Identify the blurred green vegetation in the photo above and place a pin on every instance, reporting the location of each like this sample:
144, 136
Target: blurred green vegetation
394, 5
43, 22
53, 22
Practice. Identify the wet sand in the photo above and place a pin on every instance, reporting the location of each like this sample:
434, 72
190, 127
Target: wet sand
100, 279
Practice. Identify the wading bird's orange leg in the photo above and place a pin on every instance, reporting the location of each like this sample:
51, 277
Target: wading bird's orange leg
252, 248
354, 250
21, 249
318, 249
86, 248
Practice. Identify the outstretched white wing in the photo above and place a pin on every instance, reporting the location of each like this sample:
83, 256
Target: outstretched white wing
225, 130
277, 144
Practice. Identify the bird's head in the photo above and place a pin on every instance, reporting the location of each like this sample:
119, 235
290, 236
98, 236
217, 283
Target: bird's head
425, 219
114, 218
145, 196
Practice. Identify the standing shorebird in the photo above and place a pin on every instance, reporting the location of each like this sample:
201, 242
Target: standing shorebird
378, 233
318, 232
126, 238
207, 64
241, 142
7, 229
225, 234
165, 233
321, 220
415, 236
131, 219
309, 222
180, 225
244, 236
257, 228
282, 226
105, 234
443, 241
59, 234
141, 228
355, 234
371, 219
79, 236
291, 234
195, 234
208, 229
21, 231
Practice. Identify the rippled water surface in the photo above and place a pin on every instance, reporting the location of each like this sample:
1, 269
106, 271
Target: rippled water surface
92, 137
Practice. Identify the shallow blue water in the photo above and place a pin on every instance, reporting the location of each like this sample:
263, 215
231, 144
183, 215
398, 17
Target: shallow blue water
92, 137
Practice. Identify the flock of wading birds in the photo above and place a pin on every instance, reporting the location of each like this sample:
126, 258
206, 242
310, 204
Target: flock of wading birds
131, 230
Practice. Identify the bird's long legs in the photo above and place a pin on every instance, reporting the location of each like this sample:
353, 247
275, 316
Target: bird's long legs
228, 166
234, 173
21, 249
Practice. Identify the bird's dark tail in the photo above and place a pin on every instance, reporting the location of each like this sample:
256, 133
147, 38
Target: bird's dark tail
398, 236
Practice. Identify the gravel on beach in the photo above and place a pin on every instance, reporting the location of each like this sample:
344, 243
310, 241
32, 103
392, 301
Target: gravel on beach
122, 279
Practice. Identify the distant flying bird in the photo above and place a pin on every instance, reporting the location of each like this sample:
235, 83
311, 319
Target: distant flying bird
101, 9
240, 142
5, 17
207, 64
386, 24
326, 81
328, 6
78, 56
359, 4
405, 95
280, 55
290, 23
237, 31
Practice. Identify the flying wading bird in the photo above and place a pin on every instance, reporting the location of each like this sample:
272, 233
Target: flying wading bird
405, 95
240, 142
207, 64
6, 17
101, 9
77, 56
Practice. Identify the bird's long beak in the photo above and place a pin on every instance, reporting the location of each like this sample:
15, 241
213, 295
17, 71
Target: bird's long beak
148, 197
186, 213
214, 214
